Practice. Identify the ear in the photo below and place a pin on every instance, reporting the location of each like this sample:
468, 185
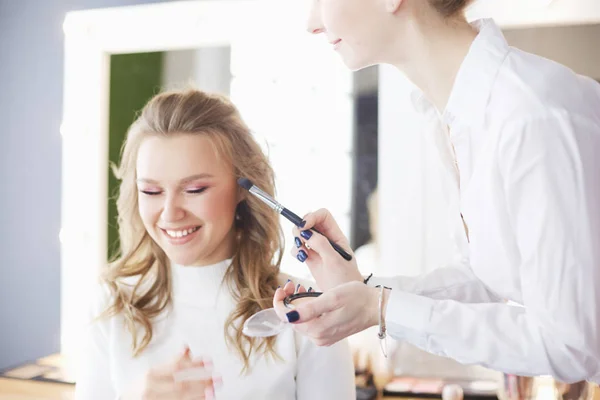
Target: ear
392, 6
241, 195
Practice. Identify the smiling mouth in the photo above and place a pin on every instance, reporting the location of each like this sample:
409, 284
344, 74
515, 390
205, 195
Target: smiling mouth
181, 233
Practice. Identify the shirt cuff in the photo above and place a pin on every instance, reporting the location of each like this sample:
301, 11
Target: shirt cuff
408, 312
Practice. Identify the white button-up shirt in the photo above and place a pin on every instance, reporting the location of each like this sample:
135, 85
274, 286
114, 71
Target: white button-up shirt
526, 135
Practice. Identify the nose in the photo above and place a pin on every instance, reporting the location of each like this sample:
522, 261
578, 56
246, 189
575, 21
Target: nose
314, 24
172, 209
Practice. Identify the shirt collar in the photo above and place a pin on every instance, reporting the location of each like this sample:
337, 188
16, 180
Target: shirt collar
473, 84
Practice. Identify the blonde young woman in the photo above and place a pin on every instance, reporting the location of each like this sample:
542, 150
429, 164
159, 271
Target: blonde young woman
198, 257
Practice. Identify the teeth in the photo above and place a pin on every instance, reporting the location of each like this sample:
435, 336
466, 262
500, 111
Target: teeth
179, 234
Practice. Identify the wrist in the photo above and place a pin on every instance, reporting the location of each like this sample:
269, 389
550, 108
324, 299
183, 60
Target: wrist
376, 309
373, 306
384, 302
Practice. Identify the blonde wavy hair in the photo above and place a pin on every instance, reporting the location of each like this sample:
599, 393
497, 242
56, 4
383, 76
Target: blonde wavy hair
252, 276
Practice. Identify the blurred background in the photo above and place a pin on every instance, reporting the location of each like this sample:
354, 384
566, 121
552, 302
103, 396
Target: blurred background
360, 131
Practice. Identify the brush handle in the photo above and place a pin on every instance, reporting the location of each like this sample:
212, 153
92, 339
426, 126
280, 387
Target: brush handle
296, 220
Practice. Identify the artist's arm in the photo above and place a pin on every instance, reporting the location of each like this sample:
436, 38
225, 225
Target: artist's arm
456, 281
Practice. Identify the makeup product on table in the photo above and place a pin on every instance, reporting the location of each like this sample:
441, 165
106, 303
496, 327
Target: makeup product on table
407, 386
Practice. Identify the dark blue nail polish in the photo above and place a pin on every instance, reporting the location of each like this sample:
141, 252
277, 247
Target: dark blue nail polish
298, 242
293, 316
309, 289
297, 288
302, 256
278, 287
289, 280
302, 224
306, 234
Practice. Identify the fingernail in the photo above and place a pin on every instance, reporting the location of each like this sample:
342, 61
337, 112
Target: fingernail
302, 256
297, 288
306, 234
293, 316
302, 224
309, 289
298, 242
289, 280
278, 287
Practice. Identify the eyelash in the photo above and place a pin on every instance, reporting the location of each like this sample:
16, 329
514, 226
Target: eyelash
191, 191
148, 193
196, 191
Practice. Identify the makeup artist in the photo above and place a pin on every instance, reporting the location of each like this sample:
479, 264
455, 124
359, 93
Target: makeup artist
522, 135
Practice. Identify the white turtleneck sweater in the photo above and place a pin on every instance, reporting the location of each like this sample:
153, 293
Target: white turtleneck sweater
197, 318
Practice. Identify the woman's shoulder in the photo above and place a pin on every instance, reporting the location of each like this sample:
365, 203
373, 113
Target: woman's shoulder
101, 297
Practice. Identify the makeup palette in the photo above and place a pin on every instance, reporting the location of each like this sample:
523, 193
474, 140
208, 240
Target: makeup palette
267, 323
298, 298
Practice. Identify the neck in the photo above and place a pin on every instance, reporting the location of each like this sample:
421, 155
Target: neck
222, 252
432, 54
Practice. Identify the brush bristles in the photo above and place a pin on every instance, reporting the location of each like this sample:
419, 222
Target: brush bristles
245, 183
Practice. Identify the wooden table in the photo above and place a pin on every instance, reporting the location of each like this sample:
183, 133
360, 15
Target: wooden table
15, 389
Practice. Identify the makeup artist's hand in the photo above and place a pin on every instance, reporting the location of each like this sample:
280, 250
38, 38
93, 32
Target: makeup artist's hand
336, 314
160, 382
327, 267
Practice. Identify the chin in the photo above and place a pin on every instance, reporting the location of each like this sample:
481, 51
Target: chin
357, 64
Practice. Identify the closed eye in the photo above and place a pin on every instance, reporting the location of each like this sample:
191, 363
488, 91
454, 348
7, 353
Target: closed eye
196, 191
149, 192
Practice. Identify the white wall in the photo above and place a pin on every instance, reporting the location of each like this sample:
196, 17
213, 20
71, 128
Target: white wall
30, 152
206, 68
577, 47
536, 13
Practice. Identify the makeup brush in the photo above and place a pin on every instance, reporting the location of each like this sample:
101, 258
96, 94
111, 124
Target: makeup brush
290, 216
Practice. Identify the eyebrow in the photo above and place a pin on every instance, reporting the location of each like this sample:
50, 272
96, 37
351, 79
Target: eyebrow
184, 180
